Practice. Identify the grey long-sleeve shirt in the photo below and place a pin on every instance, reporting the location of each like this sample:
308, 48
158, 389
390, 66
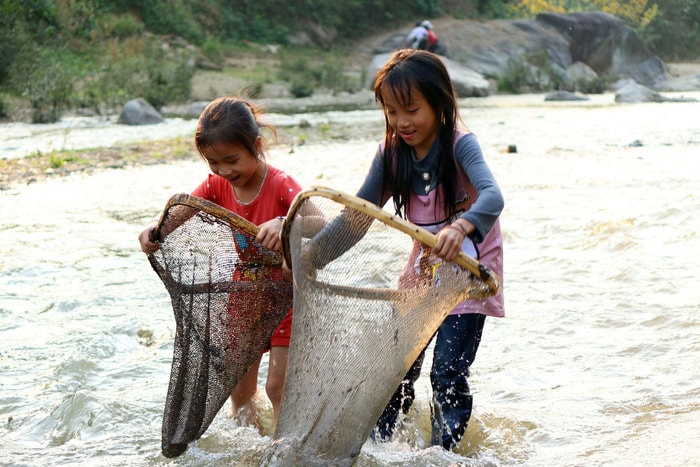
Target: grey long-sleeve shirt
489, 202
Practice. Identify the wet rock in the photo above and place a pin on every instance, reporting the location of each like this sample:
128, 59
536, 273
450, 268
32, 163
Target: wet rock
139, 112
680, 83
565, 96
629, 91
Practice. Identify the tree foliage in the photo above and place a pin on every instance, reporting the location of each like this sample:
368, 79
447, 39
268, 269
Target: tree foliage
635, 12
60, 53
671, 28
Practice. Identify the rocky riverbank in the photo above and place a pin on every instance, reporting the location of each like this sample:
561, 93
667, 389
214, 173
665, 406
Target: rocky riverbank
57, 160
42, 164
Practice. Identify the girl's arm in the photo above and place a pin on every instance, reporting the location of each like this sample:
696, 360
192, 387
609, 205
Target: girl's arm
286, 188
372, 188
353, 229
489, 201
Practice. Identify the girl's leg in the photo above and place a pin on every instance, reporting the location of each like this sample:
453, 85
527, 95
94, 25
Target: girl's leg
276, 374
244, 411
455, 349
400, 402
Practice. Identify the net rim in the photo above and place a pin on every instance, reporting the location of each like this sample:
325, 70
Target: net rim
416, 232
209, 207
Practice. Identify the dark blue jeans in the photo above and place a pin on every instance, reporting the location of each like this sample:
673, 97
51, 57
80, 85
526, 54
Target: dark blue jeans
456, 343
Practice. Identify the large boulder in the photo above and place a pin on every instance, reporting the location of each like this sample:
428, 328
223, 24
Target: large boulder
563, 46
466, 82
489, 47
606, 44
629, 91
139, 112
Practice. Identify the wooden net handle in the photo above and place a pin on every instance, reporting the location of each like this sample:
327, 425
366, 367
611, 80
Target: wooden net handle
370, 209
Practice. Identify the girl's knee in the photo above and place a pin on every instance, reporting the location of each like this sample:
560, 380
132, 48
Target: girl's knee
274, 388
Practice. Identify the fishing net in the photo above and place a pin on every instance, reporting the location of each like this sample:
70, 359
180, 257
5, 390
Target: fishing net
368, 297
228, 295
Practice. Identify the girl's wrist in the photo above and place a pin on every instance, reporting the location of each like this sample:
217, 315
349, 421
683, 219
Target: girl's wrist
460, 227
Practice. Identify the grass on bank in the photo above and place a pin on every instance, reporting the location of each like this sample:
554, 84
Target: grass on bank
59, 163
41, 165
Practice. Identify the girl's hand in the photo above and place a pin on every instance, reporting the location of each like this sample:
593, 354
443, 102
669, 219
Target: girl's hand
147, 246
450, 239
269, 234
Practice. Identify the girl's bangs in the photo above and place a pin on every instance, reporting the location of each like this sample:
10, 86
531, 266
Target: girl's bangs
400, 83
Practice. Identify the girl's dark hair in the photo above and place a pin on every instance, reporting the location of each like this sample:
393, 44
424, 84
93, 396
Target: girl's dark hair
231, 120
405, 71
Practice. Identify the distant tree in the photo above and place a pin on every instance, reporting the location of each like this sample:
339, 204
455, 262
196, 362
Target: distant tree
670, 28
637, 13
675, 31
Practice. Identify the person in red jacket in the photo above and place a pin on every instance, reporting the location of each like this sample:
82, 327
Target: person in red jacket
432, 44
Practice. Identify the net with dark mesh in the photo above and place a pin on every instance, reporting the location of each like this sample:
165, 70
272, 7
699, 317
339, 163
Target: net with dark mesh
228, 294
368, 297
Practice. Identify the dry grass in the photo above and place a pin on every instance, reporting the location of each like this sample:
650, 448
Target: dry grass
40, 166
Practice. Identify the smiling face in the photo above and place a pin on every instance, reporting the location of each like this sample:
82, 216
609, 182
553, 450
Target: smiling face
413, 119
243, 170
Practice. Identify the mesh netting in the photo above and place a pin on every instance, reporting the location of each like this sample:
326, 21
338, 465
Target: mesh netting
368, 297
228, 295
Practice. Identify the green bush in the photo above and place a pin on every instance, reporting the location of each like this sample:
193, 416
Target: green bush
168, 82
674, 33
156, 80
212, 48
4, 108
517, 77
123, 26
48, 87
301, 88
593, 86
533, 72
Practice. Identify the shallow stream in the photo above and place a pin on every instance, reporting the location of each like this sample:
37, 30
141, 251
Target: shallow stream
596, 362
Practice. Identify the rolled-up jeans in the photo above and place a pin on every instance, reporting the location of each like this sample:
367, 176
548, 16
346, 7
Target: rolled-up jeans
456, 344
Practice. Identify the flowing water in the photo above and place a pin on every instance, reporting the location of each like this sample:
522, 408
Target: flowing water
596, 362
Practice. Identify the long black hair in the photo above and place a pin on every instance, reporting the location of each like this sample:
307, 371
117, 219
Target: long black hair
406, 70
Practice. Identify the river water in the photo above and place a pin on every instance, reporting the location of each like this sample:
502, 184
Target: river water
596, 362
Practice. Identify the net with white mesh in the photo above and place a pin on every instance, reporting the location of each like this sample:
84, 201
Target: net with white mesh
228, 295
368, 297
